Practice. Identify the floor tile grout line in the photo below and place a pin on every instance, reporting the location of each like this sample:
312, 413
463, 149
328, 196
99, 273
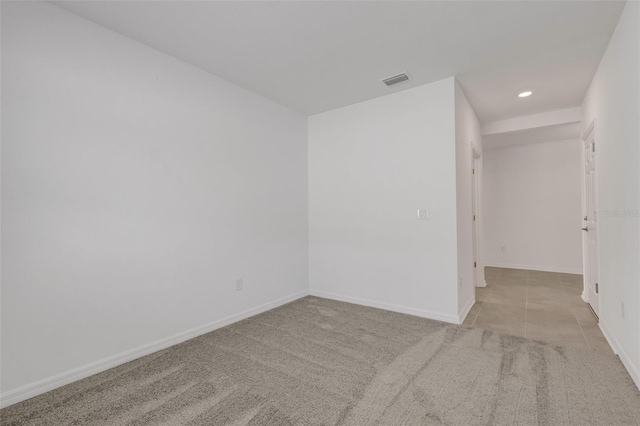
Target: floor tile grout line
564, 289
478, 313
564, 292
526, 305
581, 330
484, 301
481, 306
563, 301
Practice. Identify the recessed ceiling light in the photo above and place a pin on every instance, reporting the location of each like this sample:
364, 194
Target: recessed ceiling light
525, 94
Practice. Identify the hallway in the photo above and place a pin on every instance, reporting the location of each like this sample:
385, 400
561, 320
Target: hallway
538, 305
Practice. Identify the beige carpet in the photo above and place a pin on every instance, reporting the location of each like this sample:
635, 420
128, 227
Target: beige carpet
321, 362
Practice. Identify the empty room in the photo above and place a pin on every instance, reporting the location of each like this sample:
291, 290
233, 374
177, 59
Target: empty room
320, 213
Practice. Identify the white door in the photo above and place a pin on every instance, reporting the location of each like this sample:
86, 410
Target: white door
590, 223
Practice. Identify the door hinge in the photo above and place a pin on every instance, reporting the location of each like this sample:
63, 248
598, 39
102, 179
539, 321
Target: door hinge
473, 171
593, 147
475, 265
474, 217
597, 288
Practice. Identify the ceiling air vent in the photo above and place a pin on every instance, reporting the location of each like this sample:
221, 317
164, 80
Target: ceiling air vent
390, 81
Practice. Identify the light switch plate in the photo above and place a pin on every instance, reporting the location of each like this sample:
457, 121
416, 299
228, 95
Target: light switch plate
423, 214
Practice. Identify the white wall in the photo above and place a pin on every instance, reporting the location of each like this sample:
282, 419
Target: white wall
468, 139
534, 121
371, 166
532, 207
613, 101
135, 190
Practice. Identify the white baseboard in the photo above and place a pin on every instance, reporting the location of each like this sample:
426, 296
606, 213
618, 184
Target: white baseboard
534, 268
633, 370
438, 316
36, 388
481, 282
465, 310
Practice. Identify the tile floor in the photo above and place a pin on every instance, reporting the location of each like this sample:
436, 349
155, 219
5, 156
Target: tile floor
538, 305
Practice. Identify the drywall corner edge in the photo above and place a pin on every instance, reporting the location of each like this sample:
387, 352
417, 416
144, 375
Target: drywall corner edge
550, 118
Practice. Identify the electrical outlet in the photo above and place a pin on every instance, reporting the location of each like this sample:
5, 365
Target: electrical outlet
239, 284
423, 214
622, 310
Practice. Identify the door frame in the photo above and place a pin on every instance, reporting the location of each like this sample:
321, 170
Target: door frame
589, 136
476, 197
